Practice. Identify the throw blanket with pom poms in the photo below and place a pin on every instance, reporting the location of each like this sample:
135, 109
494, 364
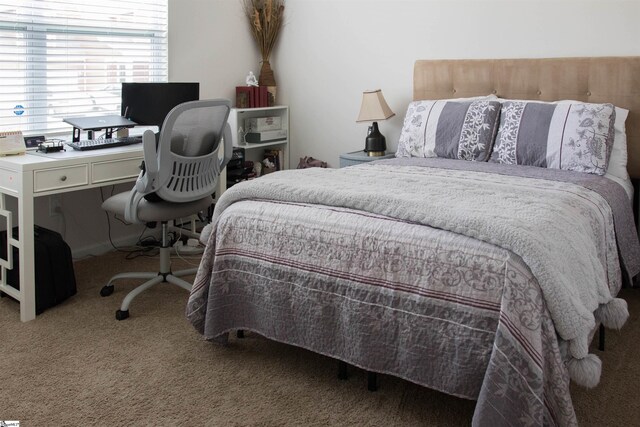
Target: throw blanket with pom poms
564, 232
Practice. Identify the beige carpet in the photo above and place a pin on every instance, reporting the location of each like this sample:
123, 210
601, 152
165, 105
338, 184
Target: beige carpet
75, 365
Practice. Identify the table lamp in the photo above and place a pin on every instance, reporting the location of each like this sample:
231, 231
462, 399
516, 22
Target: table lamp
373, 108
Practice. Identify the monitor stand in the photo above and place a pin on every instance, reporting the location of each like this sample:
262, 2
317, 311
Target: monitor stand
91, 124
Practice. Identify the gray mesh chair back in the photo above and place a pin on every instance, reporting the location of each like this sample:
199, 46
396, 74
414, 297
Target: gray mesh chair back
187, 162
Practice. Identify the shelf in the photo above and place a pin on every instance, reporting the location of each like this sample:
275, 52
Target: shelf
254, 151
249, 146
260, 109
237, 118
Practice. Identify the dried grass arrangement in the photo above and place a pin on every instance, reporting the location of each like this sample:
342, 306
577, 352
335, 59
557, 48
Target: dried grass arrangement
265, 20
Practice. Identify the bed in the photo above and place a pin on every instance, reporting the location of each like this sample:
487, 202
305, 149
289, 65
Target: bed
480, 279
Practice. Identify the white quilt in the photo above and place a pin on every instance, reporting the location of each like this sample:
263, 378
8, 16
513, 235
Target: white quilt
562, 231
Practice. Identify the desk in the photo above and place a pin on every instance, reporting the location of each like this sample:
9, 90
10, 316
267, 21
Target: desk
34, 174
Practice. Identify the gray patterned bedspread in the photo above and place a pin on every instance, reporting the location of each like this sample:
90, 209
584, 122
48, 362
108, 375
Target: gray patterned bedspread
390, 295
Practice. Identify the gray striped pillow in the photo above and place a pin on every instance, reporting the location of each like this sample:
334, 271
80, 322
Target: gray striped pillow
451, 129
574, 136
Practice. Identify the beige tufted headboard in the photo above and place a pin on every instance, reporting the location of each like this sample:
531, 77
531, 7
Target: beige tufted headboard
599, 79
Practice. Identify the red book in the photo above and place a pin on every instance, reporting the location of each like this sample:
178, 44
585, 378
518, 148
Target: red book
264, 96
254, 97
243, 96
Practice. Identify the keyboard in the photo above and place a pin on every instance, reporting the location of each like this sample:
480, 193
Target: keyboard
96, 144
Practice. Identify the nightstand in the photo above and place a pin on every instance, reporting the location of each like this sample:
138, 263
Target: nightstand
357, 157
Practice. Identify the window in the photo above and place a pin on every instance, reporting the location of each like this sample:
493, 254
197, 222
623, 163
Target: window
67, 58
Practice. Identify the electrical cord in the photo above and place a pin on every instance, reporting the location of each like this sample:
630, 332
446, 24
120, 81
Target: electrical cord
145, 246
131, 253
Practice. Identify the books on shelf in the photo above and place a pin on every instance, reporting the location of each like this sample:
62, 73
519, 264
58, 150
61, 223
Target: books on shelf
251, 96
273, 161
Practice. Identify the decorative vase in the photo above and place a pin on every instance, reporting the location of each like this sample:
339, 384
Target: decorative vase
268, 79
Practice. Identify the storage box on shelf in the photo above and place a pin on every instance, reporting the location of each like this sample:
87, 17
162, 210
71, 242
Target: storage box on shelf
270, 126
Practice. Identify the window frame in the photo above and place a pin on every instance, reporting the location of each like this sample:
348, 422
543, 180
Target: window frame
42, 87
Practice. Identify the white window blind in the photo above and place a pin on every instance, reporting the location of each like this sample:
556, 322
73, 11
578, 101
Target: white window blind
67, 58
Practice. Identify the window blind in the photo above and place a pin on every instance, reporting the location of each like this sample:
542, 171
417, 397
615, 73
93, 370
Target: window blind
68, 58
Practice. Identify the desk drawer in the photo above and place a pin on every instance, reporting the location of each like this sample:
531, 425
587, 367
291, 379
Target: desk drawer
54, 179
115, 170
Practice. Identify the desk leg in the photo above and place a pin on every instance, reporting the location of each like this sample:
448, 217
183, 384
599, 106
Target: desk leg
26, 252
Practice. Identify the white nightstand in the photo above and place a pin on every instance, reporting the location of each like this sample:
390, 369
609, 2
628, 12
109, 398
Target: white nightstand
357, 157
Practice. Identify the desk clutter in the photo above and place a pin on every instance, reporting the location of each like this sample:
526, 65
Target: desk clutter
50, 146
11, 143
15, 143
240, 169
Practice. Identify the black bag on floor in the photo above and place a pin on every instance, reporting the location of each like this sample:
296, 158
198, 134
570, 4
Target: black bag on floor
55, 278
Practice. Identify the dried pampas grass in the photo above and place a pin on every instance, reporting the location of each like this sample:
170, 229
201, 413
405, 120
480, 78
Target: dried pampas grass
265, 20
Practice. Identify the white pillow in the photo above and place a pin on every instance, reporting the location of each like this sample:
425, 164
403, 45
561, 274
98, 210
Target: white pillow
618, 160
617, 168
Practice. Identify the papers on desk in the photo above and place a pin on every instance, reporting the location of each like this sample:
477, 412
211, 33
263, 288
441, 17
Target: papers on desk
11, 143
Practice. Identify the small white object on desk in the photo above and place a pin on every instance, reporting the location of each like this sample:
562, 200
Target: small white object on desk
11, 143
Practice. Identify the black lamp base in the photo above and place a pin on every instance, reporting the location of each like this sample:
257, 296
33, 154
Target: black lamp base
375, 144
376, 153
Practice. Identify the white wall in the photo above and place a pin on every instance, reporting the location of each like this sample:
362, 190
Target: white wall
209, 42
332, 50
83, 224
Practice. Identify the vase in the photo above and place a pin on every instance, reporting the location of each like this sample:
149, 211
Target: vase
268, 79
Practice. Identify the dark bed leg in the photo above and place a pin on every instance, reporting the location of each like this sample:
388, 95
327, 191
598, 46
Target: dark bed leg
342, 370
601, 338
240, 333
372, 381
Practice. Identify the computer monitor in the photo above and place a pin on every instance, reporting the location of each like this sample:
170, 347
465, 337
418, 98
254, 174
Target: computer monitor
148, 104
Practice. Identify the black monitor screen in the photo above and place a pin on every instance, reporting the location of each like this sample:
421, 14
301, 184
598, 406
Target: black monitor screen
149, 103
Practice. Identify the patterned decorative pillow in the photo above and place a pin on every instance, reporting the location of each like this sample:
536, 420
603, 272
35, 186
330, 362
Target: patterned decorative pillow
574, 136
454, 129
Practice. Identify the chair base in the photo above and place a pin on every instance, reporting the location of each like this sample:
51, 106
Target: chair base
156, 278
165, 275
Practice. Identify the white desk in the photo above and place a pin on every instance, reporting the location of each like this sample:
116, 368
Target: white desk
28, 176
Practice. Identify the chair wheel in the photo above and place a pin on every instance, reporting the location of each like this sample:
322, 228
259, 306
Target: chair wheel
121, 315
106, 290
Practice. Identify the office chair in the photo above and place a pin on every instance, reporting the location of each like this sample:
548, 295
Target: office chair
178, 178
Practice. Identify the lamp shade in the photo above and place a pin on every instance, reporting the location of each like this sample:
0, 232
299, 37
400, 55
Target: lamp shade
374, 107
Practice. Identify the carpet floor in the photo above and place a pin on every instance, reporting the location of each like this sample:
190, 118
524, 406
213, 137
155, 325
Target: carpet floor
75, 365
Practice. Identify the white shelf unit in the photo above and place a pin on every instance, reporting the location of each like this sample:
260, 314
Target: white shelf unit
255, 151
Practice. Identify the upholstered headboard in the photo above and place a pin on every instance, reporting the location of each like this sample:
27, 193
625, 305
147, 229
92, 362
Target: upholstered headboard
599, 79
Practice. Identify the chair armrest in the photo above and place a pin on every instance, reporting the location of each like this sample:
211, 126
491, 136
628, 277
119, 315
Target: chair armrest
131, 208
147, 180
228, 147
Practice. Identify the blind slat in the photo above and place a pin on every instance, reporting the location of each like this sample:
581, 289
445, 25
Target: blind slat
64, 58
